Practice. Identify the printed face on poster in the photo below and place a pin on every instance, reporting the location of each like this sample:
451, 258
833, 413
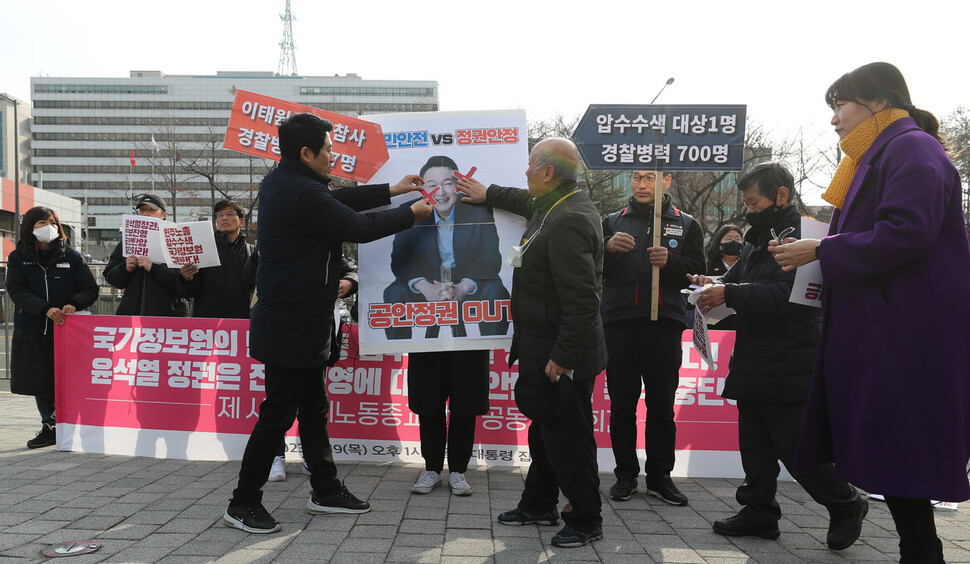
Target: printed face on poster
442, 284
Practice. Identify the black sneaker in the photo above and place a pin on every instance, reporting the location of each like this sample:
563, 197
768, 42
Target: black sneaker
340, 500
250, 517
740, 526
569, 537
623, 489
519, 517
845, 529
665, 489
45, 438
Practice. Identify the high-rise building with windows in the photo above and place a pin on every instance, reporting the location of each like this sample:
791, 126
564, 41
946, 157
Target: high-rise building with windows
104, 140
14, 138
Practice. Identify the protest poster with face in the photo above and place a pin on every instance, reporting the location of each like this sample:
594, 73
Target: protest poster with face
443, 284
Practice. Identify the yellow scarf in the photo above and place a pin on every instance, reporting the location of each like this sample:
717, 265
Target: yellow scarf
854, 146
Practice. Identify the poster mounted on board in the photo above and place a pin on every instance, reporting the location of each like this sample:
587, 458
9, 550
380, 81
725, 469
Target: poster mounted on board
662, 137
442, 284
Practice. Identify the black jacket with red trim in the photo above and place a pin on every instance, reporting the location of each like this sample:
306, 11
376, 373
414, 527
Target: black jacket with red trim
628, 277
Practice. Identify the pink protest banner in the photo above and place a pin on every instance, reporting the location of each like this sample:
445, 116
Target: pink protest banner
186, 388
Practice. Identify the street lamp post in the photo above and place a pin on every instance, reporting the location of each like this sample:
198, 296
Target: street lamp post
666, 84
16, 161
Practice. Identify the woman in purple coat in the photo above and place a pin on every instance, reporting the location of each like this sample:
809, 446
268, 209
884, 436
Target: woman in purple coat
890, 401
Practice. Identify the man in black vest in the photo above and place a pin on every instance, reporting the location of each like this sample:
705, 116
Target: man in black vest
557, 338
223, 291
645, 354
302, 224
771, 369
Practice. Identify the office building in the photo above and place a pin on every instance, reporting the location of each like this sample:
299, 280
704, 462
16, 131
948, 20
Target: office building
14, 138
104, 140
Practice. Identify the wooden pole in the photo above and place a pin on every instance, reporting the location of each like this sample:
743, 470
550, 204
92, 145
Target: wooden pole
658, 199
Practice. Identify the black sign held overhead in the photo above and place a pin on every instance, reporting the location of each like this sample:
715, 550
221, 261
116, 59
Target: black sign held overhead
667, 137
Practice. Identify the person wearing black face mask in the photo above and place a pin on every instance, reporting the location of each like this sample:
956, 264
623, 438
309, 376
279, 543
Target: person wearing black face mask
771, 370
725, 249
724, 253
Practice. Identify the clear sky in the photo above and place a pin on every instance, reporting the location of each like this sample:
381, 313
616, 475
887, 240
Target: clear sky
548, 57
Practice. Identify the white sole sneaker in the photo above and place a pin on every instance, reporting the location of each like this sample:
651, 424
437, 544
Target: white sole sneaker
277, 473
423, 486
237, 524
459, 486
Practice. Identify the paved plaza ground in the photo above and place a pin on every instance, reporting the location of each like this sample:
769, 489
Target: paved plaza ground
148, 510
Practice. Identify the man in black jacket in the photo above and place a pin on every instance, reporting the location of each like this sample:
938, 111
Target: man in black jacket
302, 224
771, 369
223, 291
645, 355
557, 338
150, 289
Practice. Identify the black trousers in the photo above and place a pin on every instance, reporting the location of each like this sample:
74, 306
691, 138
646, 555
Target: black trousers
918, 543
290, 393
767, 433
645, 357
459, 436
563, 454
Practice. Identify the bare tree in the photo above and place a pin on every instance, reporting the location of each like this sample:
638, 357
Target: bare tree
608, 189
713, 200
208, 160
956, 127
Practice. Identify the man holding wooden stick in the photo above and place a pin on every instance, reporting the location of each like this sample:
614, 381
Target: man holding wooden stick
645, 346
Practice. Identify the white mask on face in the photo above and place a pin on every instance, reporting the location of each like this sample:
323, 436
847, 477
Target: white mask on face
46, 234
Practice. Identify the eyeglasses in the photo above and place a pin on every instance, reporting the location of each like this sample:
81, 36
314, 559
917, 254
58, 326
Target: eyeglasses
227, 215
638, 178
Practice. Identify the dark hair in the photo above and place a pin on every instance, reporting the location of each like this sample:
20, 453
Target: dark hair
881, 81
223, 204
34, 215
769, 176
440, 160
714, 252
303, 130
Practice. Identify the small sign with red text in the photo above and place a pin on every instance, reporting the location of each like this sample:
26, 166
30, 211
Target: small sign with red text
169, 243
807, 289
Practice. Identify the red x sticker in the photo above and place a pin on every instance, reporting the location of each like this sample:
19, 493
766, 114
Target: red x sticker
460, 175
430, 195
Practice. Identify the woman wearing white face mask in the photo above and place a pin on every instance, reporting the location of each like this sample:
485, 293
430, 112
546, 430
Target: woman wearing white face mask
46, 280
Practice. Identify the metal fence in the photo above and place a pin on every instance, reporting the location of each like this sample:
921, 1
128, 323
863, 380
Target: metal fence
107, 304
